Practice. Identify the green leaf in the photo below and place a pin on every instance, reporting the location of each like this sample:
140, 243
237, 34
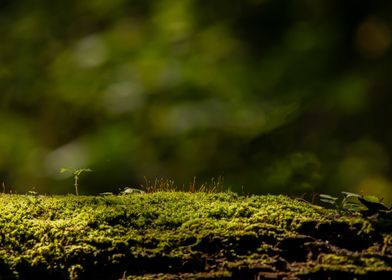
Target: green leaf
372, 206
332, 202
327, 196
350, 194
371, 198
77, 172
63, 170
354, 206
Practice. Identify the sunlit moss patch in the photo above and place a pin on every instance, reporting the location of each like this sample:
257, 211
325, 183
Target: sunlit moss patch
176, 235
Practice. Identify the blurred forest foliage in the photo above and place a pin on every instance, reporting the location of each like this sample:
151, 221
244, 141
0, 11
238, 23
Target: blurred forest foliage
277, 96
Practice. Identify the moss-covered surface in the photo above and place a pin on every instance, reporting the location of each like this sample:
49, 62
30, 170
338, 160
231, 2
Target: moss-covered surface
177, 235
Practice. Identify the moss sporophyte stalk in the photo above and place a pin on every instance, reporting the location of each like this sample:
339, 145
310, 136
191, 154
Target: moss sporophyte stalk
183, 235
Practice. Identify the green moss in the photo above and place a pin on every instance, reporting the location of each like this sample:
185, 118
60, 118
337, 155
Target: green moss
176, 234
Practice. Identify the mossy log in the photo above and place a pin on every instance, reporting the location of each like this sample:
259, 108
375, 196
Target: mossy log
179, 235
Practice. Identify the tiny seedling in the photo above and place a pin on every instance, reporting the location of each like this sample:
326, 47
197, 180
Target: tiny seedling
76, 174
368, 205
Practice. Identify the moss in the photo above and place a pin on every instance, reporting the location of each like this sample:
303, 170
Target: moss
174, 235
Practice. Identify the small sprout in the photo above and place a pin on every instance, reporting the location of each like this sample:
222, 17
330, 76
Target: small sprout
352, 202
76, 174
132, 190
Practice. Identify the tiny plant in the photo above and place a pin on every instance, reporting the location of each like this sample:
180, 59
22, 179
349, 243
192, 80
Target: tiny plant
352, 202
76, 174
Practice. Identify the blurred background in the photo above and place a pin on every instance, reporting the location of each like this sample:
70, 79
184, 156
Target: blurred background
276, 96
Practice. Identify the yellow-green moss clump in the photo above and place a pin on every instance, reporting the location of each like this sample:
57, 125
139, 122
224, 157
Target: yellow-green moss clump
178, 235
